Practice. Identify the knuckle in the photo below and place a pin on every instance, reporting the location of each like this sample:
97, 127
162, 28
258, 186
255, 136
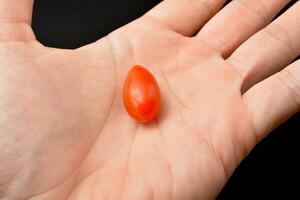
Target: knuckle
209, 6
291, 82
256, 7
206, 5
281, 35
16, 32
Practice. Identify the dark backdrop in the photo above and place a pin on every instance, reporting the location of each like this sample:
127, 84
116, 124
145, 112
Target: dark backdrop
271, 169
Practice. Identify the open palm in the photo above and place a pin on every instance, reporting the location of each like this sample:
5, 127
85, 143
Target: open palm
66, 135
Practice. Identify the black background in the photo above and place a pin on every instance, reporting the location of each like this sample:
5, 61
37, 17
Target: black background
271, 170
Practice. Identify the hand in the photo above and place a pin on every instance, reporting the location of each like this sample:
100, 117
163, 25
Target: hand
66, 135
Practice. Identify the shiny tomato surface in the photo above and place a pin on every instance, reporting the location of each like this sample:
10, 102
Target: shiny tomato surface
141, 94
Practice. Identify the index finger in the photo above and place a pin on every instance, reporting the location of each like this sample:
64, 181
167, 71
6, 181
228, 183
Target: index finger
185, 16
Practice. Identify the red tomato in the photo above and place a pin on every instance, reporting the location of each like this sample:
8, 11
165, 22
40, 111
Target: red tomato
141, 95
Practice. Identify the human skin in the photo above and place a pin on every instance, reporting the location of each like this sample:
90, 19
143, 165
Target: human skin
65, 133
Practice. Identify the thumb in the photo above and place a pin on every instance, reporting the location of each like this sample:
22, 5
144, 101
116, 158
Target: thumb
15, 20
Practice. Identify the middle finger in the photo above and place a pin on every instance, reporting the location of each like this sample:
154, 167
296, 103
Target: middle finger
237, 21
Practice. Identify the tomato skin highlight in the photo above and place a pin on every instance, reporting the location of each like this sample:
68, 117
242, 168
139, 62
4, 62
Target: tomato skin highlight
141, 95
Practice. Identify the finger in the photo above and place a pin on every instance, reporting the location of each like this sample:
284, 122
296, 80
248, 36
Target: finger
269, 50
16, 11
237, 22
274, 100
15, 20
184, 16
